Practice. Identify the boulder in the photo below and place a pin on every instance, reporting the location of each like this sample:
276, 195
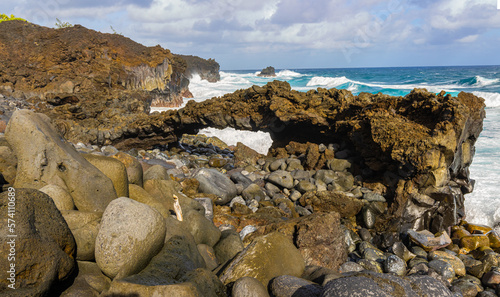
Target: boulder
131, 233
44, 157
38, 243
368, 283
228, 246
203, 230
114, 169
133, 166
84, 225
8, 163
62, 199
281, 178
265, 258
156, 172
177, 270
319, 238
214, 182
292, 286
140, 195
249, 287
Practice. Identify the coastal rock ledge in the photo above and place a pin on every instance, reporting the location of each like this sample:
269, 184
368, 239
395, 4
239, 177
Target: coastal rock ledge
415, 150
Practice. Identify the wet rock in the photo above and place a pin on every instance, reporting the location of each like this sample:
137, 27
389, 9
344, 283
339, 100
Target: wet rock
428, 241
124, 246
265, 258
53, 161
44, 247
491, 278
292, 286
443, 268
371, 265
214, 182
456, 263
249, 287
466, 288
396, 265
474, 241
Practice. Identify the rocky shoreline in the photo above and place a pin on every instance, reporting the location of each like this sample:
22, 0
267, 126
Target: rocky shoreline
358, 194
252, 225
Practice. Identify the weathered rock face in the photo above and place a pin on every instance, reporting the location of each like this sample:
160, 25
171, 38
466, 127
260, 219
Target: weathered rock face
206, 69
98, 86
419, 146
76, 64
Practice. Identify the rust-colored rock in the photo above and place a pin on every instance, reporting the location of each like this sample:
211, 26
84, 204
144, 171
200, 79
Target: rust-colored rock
327, 201
318, 237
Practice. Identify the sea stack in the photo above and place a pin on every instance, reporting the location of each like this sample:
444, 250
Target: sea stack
267, 72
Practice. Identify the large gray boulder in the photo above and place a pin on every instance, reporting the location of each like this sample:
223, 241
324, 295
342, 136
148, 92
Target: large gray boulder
40, 245
131, 233
214, 182
44, 157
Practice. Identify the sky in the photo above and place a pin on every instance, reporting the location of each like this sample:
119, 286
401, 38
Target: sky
292, 34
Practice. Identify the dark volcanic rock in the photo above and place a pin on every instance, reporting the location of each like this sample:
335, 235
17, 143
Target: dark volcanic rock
39, 243
206, 69
267, 72
419, 146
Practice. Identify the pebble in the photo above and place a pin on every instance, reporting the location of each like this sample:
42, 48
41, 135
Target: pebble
395, 264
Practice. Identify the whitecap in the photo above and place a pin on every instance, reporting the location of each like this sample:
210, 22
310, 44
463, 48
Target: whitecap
491, 99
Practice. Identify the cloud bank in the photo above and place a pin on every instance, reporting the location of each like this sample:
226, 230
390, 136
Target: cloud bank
351, 32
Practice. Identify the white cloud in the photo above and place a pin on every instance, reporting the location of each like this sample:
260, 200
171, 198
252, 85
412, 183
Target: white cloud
467, 39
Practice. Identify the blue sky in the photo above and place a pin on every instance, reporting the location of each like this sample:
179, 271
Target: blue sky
242, 34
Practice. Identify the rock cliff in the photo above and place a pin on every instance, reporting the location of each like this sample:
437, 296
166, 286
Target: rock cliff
206, 69
54, 67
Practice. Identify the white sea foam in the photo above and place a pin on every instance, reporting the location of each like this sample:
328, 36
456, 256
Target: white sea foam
259, 141
483, 204
483, 81
329, 82
288, 74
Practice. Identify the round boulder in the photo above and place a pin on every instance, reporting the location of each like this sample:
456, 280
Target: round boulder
131, 233
62, 199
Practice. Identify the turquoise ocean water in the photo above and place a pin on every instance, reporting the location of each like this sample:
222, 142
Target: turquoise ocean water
483, 205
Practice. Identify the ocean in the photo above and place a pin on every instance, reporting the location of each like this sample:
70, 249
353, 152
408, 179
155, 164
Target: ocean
483, 205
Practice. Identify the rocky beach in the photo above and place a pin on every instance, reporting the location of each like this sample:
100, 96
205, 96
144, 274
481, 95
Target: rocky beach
359, 195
